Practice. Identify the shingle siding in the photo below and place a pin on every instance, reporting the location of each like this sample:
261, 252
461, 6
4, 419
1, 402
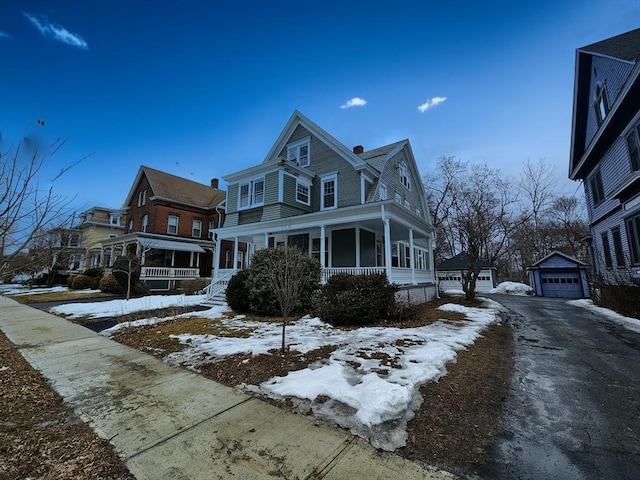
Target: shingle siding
391, 177
611, 73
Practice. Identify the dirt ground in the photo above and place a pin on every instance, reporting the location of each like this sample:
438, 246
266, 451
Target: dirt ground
460, 414
41, 438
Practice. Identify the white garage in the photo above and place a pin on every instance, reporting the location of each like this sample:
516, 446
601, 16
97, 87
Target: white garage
450, 274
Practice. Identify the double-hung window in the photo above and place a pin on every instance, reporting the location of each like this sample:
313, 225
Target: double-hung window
633, 143
383, 192
172, 225
251, 194
633, 234
601, 104
142, 198
196, 229
597, 192
299, 152
145, 222
606, 250
329, 192
302, 192
405, 177
617, 247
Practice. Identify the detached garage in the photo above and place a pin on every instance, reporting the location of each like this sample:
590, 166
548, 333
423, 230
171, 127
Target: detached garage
559, 275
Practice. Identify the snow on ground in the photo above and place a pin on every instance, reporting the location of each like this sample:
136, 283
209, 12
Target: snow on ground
115, 308
453, 291
628, 322
512, 288
369, 384
18, 289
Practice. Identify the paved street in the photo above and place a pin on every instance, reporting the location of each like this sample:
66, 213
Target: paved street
574, 409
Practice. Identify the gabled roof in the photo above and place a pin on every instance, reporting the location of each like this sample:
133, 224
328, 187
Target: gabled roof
623, 48
558, 254
378, 156
298, 118
177, 189
461, 262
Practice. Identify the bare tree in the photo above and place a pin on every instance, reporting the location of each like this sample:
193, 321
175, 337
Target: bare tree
289, 275
128, 267
27, 209
480, 216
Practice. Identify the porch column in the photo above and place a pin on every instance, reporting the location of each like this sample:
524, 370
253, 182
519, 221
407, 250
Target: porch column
322, 246
357, 247
191, 259
111, 256
266, 239
387, 248
411, 254
235, 253
173, 258
216, 258
432, 260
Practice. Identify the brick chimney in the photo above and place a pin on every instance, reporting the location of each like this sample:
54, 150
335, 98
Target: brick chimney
214, 183
358, 149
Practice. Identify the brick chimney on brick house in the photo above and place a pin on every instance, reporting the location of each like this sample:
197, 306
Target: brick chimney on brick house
214, 183
358, 149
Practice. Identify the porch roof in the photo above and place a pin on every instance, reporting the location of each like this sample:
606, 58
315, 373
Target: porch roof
170, 245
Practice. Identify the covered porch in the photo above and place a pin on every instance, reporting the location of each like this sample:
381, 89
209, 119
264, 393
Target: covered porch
165, 262
384, 237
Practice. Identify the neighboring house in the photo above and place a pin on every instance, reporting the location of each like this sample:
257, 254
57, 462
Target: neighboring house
451, 271
559, 275
605, 152
356, 211
167, 224
96, 225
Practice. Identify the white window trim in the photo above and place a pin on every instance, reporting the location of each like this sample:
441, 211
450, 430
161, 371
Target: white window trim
169, 224
308, 187
404, 175
295, 147
325, 179
145, 222
193, 228
251, 184
383, 188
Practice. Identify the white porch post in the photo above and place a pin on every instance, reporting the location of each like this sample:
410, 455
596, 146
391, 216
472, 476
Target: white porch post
411, 255
432, 260
266, 239
173, 258
357, 247
191, 259
322, 247
387, 248
216, 258
235, 253
111, 256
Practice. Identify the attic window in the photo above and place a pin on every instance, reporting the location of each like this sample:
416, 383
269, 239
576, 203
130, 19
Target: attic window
299, 152
405, 177
600, 103
142, 198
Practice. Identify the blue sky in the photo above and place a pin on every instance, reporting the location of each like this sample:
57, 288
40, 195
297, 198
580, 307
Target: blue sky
202, 89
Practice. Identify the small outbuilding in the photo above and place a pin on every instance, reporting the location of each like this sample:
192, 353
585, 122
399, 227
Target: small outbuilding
450, 274
559, 275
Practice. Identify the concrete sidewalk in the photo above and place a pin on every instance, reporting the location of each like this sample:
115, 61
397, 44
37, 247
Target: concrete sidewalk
170, 423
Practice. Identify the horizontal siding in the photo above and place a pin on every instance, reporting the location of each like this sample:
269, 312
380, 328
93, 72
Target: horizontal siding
558, 262
597, 230
232, 198
614, 167
271, 188
231, 219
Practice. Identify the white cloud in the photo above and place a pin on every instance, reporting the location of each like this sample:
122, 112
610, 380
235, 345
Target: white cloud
355, 102
57, 32
431, 102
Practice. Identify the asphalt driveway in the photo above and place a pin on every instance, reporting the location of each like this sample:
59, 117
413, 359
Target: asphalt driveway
574, 407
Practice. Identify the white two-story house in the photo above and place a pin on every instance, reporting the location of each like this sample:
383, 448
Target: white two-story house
356, 211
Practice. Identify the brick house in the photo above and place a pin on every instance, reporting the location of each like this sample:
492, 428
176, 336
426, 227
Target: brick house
167, 223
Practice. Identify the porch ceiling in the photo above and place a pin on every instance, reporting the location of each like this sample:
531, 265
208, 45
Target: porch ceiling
170, 245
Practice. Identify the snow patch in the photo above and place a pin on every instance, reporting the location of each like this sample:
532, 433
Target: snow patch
627, 322
512, 288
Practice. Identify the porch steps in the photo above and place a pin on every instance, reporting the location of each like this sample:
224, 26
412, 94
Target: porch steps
218, 300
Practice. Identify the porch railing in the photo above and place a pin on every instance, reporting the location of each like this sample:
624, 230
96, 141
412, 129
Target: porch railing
169, 272
219, 283
327, 273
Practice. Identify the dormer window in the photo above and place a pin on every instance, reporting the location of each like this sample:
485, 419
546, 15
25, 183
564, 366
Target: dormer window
601, 104
405, 177
251, 194
114, 219
299, 152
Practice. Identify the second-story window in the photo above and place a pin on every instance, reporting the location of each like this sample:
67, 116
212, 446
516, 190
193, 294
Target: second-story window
597, 192
302, 193
633, 143
329, 192
299, 152
172, 225
145, 222
130, 225
383, 191
251, 194
405, 177
196, 229
114, 219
